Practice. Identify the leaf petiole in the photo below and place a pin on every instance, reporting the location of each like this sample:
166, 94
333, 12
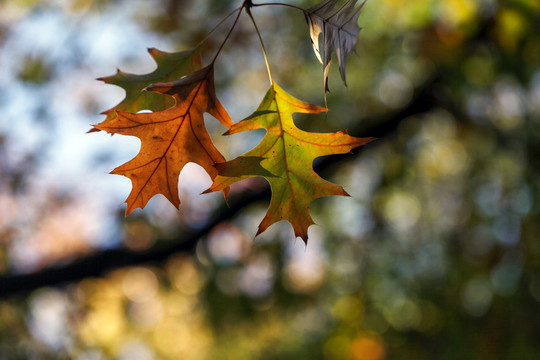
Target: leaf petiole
248, 11
230, 30
217, 26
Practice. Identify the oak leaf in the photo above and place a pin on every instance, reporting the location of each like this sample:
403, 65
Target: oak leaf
170, 66
285, 158
170, 138
339, 29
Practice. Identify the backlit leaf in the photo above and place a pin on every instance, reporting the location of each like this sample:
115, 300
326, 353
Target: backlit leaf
285, 158
170, 66
170, 138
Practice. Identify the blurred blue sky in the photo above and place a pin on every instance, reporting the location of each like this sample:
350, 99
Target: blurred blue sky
50, 118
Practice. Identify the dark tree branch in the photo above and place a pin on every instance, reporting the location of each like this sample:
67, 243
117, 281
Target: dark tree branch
99, 263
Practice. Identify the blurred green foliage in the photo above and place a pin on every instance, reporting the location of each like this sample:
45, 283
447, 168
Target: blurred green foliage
435, 256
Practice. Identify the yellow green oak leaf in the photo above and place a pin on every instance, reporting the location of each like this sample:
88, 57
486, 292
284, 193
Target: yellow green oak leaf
285, 158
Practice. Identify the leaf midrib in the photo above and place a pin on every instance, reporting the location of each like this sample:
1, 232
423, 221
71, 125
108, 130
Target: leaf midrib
282, 132
186, 113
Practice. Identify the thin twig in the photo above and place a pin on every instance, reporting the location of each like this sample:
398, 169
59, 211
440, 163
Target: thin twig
287, 5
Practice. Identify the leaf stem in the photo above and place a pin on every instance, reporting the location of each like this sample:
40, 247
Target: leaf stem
230, 31
217, 26
248, 11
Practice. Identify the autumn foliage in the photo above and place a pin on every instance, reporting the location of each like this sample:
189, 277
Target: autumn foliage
173, 133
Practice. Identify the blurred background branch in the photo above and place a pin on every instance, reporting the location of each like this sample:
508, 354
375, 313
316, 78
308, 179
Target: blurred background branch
99, 264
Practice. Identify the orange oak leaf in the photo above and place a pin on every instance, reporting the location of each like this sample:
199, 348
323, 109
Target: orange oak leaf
285, 158
170, 138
